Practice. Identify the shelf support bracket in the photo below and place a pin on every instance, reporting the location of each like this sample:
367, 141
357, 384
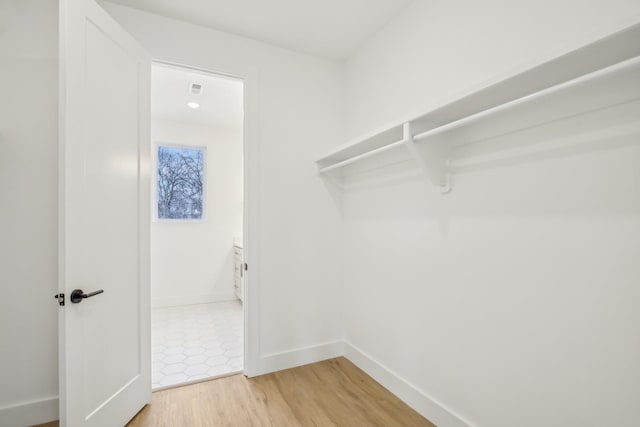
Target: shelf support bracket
333, 180
431, 156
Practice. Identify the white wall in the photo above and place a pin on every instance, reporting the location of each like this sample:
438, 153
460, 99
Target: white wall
435, 50
28, 217
294, 111
512, 300
192, 261
297, 115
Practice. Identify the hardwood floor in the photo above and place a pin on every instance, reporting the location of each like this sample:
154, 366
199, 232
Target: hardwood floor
330, 393
324, 394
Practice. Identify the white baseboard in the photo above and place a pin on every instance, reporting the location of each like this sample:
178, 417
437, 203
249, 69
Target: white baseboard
30, 413
300, 356
45, 410
191, 299
417, 399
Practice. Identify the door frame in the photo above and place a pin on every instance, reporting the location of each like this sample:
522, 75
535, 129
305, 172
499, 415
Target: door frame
250, 220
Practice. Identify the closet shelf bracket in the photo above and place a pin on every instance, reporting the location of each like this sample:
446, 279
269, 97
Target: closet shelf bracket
431, 156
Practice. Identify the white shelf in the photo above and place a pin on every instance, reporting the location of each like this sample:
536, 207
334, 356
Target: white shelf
596, 76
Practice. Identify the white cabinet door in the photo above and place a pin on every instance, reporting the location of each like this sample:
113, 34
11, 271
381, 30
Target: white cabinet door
105, 375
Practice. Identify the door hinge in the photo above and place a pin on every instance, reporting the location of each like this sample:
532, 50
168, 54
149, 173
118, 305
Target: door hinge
246, 267
60, 298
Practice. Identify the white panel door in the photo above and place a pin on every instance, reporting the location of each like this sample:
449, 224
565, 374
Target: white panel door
105, 374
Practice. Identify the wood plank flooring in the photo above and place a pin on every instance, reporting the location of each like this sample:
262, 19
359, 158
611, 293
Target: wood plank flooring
330, 393
325, 394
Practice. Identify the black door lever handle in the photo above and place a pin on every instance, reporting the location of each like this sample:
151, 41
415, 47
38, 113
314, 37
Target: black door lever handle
78, 295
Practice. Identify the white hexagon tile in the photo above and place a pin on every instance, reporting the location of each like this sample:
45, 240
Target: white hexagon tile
194, 342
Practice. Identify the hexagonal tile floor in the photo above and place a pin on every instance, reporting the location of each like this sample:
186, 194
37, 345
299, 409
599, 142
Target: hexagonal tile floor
194, 342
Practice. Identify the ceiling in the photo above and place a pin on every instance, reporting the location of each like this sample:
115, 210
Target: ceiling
221, 98
332, 29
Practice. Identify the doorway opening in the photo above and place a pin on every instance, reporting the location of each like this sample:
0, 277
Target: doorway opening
197, 267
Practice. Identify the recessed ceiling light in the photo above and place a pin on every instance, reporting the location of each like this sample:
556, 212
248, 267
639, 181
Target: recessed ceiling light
193, 105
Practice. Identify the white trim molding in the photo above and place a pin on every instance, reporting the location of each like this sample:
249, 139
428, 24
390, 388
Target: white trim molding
417, 399
300, 356
30, 413
46, 410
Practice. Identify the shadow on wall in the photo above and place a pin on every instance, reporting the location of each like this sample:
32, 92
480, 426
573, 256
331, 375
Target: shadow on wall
600, 130
474, 150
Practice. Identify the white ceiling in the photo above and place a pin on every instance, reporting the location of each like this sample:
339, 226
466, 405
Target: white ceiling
221, 99
331, 29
